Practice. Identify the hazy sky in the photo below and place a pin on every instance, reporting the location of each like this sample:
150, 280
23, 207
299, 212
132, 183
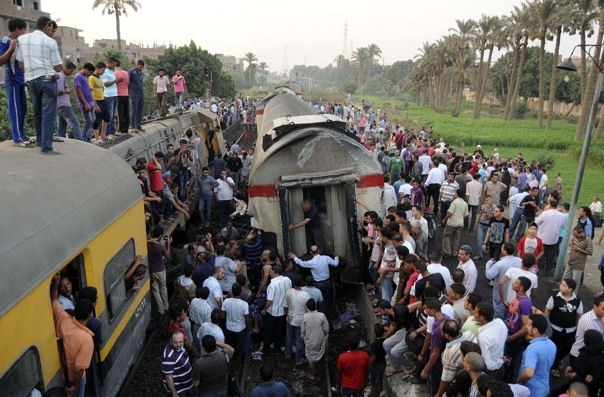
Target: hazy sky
284, 33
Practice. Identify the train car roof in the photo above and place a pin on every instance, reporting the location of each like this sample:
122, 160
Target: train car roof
52, 206
312, 148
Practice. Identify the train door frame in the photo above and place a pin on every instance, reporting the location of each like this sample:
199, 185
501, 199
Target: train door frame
76, 268
291, 194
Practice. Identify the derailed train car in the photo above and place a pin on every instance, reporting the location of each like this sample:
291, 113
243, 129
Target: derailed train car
301, 155
81, 214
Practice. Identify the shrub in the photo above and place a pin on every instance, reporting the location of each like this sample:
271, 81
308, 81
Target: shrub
545, 159
520, 110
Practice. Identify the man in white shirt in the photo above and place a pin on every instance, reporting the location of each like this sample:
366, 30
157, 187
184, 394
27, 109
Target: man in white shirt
596, 207
492, 334
212, 283
224, 195
390, 196
274, 312
495, 270
473, 193
295, 303
425, 162
549, 222
160, 89
506, 282
435, 266
433, 182
464, 254
38, 56
237, 322
453, 222
404, 189
593, 319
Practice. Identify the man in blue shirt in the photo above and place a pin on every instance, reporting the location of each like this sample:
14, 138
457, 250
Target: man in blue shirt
269, 387
311, 221
538, 358
319, 268
14, 80
137, 96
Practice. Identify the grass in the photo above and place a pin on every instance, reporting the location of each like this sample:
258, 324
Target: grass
510, 137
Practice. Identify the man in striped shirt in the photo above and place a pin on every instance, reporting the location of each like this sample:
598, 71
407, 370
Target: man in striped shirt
176, 367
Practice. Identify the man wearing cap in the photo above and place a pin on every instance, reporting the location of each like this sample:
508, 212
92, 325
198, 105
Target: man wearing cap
319, 268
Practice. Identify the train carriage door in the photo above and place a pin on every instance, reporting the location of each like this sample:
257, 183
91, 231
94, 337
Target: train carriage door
334, 196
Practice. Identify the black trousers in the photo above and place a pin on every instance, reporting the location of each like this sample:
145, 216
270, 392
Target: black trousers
273, 333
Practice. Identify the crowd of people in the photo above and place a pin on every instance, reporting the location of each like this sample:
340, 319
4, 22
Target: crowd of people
110, 99
435, 327
438, 328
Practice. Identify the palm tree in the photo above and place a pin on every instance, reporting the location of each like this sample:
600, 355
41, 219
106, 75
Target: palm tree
516, 28
361, 60
488, 29
250, 58
374, 52
459, 45
540, 17
117, 7
263, 66
585, 13
559, 19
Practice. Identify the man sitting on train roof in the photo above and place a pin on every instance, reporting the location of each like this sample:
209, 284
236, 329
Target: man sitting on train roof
76, 338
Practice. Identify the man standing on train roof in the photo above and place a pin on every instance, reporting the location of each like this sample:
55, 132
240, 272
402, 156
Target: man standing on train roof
312, 221
137, 96
38, 55
14, 81
76, 337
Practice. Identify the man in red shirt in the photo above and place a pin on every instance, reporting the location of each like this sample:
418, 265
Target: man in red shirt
353, 367
154, 169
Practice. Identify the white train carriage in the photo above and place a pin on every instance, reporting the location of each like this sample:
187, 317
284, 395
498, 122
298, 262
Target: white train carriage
300, 155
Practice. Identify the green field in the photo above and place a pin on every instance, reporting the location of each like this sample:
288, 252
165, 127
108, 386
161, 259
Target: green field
510, 137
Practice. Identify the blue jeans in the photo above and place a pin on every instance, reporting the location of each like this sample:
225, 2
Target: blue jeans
205, 209
67, 116
17, 108
515, 221
88, 119
81, 392
325, 287
481, 232
522, 225
386, 289
293, 337
111, 106
136, 110
43, 94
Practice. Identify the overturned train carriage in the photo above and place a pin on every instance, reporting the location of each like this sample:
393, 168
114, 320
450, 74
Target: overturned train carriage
301, 155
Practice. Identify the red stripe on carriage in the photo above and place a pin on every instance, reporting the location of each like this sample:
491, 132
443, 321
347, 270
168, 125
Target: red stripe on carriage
262, 191
372, 180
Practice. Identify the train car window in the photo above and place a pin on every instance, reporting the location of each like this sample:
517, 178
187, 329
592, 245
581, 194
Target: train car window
115, 290
75, 271
24, 375
317, 194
